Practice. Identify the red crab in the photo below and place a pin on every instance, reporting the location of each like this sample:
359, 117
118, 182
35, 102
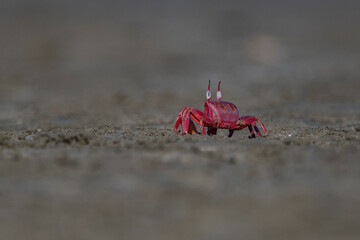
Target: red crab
217, 114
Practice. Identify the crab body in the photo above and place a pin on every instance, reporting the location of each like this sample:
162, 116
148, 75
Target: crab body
217, 114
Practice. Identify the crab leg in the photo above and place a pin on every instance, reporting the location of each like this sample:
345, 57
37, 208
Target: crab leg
250, 122
256, 129
201, 119
261, 124
211, 131
251, 131
231, 132
198, 117
177, 122
185, 121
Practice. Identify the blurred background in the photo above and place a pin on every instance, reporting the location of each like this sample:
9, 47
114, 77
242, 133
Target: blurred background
79, 53
89, 91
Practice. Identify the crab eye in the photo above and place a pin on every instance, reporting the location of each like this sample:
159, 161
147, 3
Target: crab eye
208, 94
218, 95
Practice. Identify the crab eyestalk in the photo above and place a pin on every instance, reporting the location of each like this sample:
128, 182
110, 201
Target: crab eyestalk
219, 93
208, 93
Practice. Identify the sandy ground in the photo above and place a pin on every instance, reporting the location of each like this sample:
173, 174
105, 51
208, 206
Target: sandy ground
87, 149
